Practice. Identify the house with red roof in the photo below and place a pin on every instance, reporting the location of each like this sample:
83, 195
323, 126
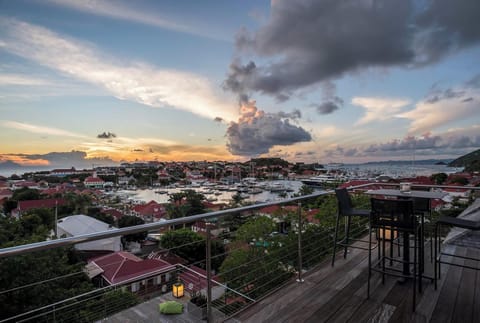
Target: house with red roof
150, 212
25, 184
195, 279
116, 214
5, 193
24, 206
93, 182
124, 268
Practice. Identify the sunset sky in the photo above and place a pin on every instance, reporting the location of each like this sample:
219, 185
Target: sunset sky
306, 80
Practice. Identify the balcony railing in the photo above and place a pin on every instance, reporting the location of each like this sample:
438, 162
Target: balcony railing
246, 270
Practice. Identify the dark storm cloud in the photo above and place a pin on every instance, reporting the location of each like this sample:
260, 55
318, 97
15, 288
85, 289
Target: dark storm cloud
256, 132
311, 41
438, 95
446, 26
328, 106
295, 114
106, 135
239, 78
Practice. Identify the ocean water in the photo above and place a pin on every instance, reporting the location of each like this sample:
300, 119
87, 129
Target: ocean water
148, 195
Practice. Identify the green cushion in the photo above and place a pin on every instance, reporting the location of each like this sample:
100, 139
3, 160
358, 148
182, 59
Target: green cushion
171, 307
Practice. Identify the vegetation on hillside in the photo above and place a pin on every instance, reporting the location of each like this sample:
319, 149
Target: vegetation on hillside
470, 161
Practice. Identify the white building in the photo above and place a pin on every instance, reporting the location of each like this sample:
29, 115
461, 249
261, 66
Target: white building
80, 224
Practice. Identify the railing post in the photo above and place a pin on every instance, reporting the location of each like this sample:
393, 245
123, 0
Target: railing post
209, 274
300, 265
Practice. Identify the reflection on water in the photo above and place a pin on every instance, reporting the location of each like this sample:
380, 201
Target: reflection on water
223, 196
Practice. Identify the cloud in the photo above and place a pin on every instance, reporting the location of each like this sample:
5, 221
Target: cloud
106, 135
313, 41
40, 129
378, 109
77, 159
120, 10
453, 143
256, 132
18, 79
133, 81
444, 27
430, 114
438, 95
327, 107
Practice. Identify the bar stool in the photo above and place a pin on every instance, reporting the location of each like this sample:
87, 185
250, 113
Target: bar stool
346, 210
395, 215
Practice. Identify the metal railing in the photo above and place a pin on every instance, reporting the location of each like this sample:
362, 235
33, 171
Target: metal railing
305, 249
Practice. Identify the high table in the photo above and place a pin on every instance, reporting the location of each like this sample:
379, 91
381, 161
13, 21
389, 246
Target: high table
405, 195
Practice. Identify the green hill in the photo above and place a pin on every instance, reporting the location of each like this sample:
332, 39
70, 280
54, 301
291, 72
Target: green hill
470, 161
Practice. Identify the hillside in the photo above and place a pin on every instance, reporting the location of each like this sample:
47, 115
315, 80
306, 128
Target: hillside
470, 161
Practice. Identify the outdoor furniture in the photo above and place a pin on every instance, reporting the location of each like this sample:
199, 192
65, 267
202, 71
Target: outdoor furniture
473, 225
346, 211
422, 207
416, 195
394, 215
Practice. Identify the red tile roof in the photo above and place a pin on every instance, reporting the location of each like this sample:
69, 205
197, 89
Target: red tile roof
194, 279
92, 179
151, 208
120, 267
36, 204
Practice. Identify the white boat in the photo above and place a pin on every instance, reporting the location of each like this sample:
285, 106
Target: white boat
320, 180
276, 187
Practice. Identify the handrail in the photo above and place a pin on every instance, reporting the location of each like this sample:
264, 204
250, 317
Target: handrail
51, 244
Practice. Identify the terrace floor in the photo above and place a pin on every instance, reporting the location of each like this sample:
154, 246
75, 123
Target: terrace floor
339, 294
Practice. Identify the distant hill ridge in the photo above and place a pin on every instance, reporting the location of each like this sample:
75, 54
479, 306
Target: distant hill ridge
470, 161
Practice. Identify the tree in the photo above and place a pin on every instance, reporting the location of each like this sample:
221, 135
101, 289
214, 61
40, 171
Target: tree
192, 247
129, 221
255, 228
236, 200
306, 190
185, 243
189, 202
439, 178
9, 205
25, 194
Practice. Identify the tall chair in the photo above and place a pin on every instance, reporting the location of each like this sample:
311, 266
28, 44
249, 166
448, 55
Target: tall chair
454, 222
346, 211
397, 215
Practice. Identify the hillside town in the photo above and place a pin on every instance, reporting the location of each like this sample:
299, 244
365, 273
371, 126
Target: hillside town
78, 202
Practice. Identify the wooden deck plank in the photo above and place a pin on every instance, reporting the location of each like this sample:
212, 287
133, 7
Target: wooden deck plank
339, 295
288, 297
429, 298
476, 288
463, 311
338, 302
443, 311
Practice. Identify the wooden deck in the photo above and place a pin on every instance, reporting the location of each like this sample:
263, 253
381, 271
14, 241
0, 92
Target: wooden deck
339, 294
